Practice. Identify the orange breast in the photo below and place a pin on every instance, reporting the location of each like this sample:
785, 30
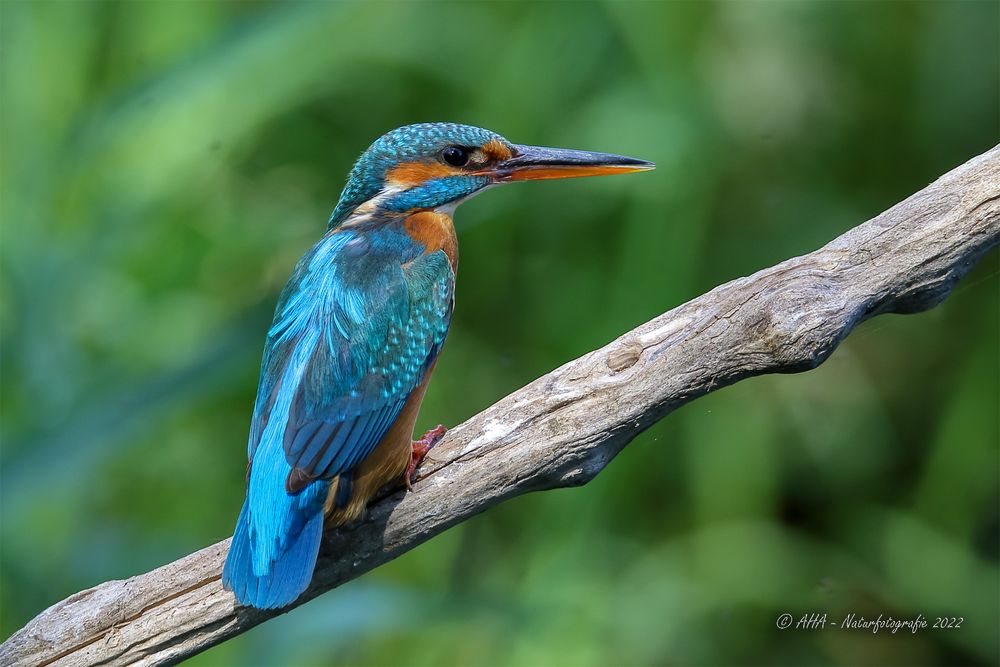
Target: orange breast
436, 232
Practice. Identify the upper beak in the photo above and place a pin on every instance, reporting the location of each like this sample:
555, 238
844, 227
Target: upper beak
538, 162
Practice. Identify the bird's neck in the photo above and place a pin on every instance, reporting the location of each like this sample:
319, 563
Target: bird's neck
435, 231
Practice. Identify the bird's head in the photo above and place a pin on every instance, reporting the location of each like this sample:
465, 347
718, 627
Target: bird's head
437, 165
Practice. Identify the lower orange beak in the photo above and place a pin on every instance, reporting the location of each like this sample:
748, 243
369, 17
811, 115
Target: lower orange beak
531, 163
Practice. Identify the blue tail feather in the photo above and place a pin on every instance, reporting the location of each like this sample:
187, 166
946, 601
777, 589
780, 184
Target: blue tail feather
287, 577
277, 537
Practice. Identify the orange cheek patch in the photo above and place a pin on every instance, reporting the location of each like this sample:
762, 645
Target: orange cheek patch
495, 150
410, 174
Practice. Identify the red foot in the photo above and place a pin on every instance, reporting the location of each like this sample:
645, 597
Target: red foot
420, 449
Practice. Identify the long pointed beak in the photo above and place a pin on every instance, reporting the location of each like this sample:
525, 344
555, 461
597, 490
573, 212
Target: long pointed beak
537, 162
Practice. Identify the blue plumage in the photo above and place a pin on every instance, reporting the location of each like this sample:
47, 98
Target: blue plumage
354, 333
437, 193
249, 573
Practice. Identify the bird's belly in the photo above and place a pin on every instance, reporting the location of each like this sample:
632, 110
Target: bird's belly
387, 463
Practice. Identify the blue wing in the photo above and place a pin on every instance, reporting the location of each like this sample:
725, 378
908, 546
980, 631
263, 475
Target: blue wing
355, 332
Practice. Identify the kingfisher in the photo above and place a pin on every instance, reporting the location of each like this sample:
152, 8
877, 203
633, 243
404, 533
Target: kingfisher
355, 337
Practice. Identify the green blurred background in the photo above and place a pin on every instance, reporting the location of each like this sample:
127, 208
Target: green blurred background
165, 164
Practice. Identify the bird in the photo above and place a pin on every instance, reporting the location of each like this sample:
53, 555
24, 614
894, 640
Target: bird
357, 331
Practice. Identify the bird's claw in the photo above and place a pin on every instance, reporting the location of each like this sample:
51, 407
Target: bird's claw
420, 449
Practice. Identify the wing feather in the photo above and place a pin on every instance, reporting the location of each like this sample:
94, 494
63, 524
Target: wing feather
381, 326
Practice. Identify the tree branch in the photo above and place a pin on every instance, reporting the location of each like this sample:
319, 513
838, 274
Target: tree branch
564, 428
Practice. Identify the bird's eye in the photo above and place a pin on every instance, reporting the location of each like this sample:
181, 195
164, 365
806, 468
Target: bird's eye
456, 156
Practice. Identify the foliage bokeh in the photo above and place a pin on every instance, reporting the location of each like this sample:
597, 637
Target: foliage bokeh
165, 163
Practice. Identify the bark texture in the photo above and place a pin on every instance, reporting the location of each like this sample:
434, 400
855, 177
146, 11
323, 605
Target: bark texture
564, 428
